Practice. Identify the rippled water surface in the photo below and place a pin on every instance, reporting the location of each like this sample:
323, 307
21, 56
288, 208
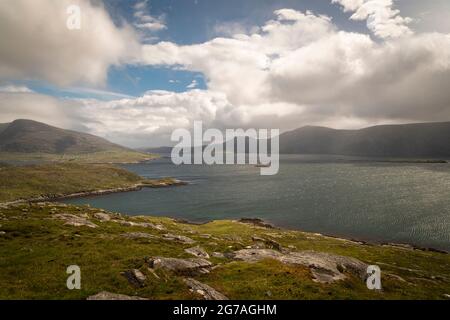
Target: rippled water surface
387, 202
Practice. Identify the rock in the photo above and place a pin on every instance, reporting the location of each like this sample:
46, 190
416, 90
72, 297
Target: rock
104, 295
205, 236
181, 266
139, 235
178, 238
257, 222
2, 233
325, 267
135, 277
272, 244
198, 252
102, 216
76, 221
140, 224
207, 292
218, 255
447, 296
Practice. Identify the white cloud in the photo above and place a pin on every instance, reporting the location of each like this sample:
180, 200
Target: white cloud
146, 23
296, 69
382, 19
36, 44
15, 89
192, 85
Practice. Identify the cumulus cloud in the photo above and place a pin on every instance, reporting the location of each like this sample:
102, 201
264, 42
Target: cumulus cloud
146, 21
36, 43
323, 75
382, 19
296, 69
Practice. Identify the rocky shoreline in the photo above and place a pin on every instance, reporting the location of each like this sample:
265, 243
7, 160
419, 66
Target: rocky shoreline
162, 183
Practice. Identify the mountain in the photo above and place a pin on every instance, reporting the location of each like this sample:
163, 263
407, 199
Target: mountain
409, 140
27, 136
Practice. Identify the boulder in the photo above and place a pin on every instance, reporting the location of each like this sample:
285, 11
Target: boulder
198, 252
325, 267
207, 292
102, 216
135, 277
139, 235
181, 266
76, 221
104, 295
178, 238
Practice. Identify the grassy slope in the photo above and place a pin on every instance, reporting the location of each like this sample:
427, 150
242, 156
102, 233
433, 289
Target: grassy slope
114, 156
36, 250
63, 178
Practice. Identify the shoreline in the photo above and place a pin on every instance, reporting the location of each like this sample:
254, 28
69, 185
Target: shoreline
168, 183
156, 184
268, 225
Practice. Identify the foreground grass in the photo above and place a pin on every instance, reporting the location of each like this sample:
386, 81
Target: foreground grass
113, 156
53, 180
36, 248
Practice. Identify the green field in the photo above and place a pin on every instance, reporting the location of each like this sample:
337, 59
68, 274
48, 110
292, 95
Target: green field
115, 156
59, 179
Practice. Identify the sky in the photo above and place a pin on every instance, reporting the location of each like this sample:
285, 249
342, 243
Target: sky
136, 70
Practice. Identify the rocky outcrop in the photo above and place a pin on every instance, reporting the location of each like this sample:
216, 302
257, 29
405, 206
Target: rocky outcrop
76, 221
104, 295
198, 252
139, 235
135, 277
257, 222
325, 267
207, 292
140, 224
178, 238
191, 266
103, 217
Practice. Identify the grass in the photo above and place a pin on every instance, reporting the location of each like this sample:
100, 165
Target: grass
114, 156
36, 250
24, 182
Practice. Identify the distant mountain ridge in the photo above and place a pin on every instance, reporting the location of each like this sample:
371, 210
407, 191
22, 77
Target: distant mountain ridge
418, 140
28, 136
407, 140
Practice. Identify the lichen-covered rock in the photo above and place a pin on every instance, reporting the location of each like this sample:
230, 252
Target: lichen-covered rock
102, 216
207, 292
104, 295
135, 277
76, 221
325, 267
198, 252
178, 238
138, 235
181, 266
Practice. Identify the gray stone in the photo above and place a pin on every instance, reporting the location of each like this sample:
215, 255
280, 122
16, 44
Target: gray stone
139, 235
198, 252
207, 292
135, 277
102, 216
178, 238
181, 266
104, 295
325, 267
76, 221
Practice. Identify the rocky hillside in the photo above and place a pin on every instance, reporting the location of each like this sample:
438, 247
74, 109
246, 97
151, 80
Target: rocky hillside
123, 257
